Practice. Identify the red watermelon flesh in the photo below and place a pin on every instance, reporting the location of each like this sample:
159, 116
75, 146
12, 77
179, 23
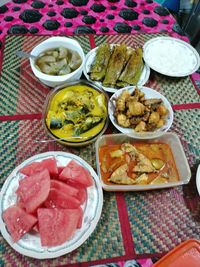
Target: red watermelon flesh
30, 169
60, 169
34, 190
82, 195
50, 165
18, 222
56, 199
76, 174
38, 192
56, 226
20, 203
34, 167
64, 188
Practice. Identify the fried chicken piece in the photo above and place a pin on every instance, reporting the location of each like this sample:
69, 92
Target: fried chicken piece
154, 118
141, 127
160, 123
139, 94
123, 120
136, 108
162, 110
152, 101
134, 121
121, 101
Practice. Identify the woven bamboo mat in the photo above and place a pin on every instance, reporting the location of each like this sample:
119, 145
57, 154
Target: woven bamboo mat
132, 224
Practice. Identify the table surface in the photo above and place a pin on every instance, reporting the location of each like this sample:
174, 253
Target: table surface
137, 225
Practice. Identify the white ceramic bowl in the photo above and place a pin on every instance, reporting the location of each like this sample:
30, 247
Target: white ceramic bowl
54, 42
149, 93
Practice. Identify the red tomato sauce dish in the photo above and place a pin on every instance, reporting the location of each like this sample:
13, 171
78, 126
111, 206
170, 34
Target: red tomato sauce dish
125, 163
137, 163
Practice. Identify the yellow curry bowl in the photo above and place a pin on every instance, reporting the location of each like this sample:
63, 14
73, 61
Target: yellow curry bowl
76, 113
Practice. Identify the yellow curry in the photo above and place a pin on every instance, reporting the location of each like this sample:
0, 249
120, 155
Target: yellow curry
78, 110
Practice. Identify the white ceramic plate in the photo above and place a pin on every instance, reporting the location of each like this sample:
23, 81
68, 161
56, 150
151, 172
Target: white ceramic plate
29, 244
198, 179
171, 56
89, 60
149, 93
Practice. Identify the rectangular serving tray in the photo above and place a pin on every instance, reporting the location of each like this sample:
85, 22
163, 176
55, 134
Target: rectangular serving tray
168, 138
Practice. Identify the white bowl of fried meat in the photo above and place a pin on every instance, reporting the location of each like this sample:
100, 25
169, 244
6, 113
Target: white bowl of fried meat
140, 112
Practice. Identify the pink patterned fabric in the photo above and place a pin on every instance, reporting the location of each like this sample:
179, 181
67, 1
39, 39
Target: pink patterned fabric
54, 17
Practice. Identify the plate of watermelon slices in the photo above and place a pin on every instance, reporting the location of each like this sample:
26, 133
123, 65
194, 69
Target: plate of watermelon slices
50, 204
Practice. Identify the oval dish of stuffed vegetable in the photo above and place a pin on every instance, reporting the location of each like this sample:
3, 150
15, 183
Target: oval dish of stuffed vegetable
114, 66
76, 113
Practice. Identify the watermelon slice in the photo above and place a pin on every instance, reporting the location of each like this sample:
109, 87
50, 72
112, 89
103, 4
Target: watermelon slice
34, 167
34, 190
18, 222
20, 202
56, 203
82, 194
30, 169
56, 226
56, 199
60, 169
50, 165
74, 173
64, 188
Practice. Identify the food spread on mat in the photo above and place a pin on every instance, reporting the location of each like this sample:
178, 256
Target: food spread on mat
77, 110
117, 65
58, 61
134, 111
137, 164
50, 201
